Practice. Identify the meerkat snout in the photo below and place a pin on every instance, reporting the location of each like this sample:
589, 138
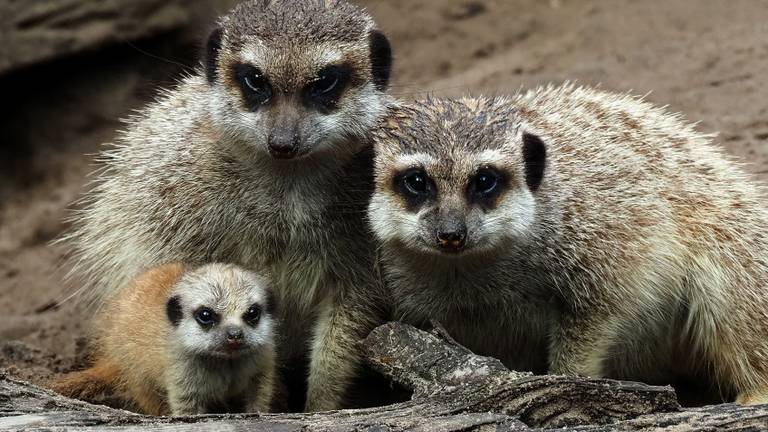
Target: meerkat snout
451, 232
234, 334
284, 142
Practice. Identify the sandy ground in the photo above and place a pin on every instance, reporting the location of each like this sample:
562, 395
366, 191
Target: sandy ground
704, 58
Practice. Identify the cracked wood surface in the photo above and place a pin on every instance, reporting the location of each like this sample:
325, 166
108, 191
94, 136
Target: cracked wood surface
453, 389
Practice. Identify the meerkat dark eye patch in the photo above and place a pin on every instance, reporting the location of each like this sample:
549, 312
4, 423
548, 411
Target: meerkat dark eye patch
206, 317
254, 85
486, 186
212, 50
535, 159
173, 310
415, 186
381, 59
325, 91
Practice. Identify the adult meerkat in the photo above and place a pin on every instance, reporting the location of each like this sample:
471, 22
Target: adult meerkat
185, 341
262, 160
595, 223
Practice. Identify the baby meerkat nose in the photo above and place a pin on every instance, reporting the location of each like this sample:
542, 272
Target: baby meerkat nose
234, 334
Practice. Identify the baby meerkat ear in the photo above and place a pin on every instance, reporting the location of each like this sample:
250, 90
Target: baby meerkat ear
212, 49
535, 159
173, 310
271, 303
381, 59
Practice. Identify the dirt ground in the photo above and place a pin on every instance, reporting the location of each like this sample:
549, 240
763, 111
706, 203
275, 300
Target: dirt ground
703, 58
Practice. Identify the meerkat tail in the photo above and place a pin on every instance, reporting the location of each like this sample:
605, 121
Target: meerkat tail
88, 384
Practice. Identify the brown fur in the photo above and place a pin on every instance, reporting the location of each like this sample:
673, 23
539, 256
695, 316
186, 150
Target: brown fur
161, 359
120, 339
90, 384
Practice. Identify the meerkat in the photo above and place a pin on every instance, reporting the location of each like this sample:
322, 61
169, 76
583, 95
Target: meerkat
603, 232
185, 341
261, 159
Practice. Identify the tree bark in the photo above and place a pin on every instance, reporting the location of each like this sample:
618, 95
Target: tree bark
453, 389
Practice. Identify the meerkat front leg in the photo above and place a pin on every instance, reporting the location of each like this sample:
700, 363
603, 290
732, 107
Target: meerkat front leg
261, 400
184, 390
753, 398
335, 355
579, 346
184, 404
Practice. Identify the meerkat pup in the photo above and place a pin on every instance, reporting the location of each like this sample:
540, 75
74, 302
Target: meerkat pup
185, 341
261, 159
592, 226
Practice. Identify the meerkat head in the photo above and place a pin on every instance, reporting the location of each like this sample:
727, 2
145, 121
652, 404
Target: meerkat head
222, 311
294, 79
455, 177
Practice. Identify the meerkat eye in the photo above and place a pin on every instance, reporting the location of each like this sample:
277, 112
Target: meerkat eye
327, 81
254, 85
206, 317
252, 315
325, 91
486, 186
414, 185
486, 182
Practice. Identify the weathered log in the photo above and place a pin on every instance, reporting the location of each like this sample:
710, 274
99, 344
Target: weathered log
453, 389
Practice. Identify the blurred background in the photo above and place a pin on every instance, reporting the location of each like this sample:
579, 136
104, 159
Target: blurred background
70, 69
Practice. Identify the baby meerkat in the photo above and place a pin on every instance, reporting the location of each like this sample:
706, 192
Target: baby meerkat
592, 228
262, 159
185, 341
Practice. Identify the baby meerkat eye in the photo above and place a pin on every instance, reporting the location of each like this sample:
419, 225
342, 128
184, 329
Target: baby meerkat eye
324, 92
206, 317
252, 315
254, 85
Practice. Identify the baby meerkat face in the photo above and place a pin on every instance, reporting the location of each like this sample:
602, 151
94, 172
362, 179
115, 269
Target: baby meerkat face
455, 177
221, 310
296, 79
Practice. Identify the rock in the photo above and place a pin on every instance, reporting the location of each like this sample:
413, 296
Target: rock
34, 31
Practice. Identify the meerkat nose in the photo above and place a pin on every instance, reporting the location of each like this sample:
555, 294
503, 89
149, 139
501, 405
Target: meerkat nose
234, 334
283, 142
452, 240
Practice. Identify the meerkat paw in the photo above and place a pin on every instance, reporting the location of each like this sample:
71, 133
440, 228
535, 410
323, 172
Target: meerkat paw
755, 397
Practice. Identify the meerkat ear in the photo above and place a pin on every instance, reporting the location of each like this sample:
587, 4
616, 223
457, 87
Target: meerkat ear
271, 303
381, 59
173, 309
535, 159
212, 49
